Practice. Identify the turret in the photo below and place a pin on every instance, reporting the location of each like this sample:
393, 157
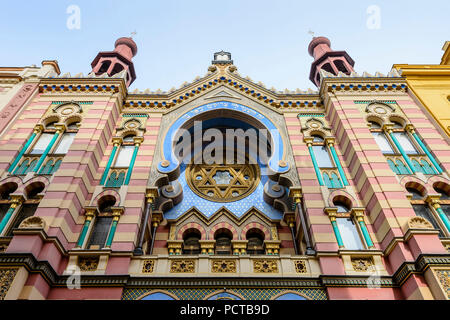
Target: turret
327, 59
113, 62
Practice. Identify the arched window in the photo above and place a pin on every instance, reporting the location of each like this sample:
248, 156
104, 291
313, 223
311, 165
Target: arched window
117, 68
349, 233
444, 200
104, 67
322, 156
100, 232
340, 66
5, 203
191, 242
374, 125
382, 142
223, 241
102, 223
121, 163
328, 68
445, 194
29, 207
255, 243
405, 142
396, 125
347, 227
341, 207
42, 143
422, 209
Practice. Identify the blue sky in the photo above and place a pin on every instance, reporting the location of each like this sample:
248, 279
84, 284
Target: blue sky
268, 39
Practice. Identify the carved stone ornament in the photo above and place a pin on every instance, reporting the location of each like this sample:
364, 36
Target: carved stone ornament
265, 266
33, 222
182, 266
362, 264
226, 266
300, 266
148, 266
88, 263
6, 279
444, 279
419, 223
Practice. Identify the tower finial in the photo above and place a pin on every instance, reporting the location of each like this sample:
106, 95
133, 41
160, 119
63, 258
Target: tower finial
133, 34
311, 33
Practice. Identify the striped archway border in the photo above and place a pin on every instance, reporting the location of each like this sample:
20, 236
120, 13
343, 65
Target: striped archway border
224, 225
255, 225
191, 225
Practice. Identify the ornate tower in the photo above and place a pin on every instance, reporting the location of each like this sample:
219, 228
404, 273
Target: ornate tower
327, 59
113, 62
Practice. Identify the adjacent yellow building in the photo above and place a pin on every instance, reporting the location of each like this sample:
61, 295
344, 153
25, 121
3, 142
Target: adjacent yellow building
430, 84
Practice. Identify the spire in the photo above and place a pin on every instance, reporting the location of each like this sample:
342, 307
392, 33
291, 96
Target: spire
327, 59
117, 61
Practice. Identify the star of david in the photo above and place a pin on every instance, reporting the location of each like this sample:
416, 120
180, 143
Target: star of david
223, 181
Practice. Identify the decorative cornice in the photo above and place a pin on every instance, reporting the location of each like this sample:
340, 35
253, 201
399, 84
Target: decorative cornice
32, 265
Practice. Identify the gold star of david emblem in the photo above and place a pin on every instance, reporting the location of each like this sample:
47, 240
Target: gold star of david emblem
222, 182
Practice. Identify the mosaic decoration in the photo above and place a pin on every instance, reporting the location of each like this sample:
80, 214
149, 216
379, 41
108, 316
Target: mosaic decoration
148, 266
222, 182
300, 266
228, 266
88, 263
247, 294
265, 266
362, 264
444, 279
208, 208
6, 279
278, 145
182, 266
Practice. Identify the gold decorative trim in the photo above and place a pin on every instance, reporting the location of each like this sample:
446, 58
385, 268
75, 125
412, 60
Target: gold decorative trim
226, 266
243, 180
444, 278
88, 263
148, 266
265, 266
182, 266
363, 263
6, 279
300, 266
419, 223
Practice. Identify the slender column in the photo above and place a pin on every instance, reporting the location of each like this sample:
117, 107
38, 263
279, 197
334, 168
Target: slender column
314, 161
17, 201
148, 207
297, 196
116, 213
137, 143
36, 131
332, 212
330, 143
156, 220
90, 213
359, 215
116, 144
410, 128
60, 129
388, 130
434, 202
